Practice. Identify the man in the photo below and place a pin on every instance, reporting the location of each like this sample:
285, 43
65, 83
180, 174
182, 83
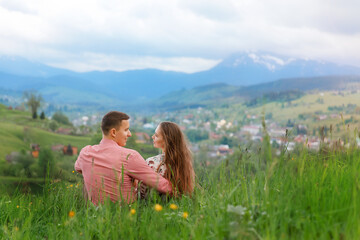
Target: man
109, 169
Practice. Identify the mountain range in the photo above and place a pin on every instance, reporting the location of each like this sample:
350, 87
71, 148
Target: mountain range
239, 74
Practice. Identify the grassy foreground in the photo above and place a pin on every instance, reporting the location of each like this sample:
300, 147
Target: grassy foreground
306, 196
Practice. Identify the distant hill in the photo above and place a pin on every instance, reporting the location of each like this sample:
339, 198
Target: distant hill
215, 94
57, 89
22, 67
130, 89
325, 83
196, 97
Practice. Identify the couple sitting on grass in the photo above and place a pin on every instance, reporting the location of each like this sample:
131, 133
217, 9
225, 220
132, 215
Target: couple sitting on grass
112, 171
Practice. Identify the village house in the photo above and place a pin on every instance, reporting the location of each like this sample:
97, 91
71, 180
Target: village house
251, 129
65, 131
219, 151
321, 117
223, 150
214, 136
300, 138
70, 150
313, 143
277, 132
35, 148
142, 137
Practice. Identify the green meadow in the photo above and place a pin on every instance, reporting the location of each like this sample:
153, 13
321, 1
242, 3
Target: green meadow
18, 130
251, 195
308, 104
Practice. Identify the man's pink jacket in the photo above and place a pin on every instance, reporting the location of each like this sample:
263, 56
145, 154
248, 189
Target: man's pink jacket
109, 171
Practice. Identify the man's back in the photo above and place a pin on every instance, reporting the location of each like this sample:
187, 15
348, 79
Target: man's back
109, 170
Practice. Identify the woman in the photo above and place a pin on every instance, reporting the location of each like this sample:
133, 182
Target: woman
175, 162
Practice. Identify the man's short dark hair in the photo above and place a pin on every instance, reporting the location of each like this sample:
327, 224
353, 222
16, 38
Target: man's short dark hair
112, 120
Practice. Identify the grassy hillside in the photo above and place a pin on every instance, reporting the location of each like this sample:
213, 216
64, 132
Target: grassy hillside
18, 131
250, 196
306, 110
308, 104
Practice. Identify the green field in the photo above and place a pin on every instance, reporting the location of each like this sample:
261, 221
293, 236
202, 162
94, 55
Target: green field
18, 130
308, 104
304, 196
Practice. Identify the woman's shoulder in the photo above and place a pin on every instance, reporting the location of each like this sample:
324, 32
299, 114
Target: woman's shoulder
157, 158
157, 163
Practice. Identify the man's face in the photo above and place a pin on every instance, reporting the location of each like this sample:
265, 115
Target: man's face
123, 133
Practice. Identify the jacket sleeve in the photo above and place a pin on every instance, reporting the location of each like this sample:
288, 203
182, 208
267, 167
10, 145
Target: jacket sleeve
136, 167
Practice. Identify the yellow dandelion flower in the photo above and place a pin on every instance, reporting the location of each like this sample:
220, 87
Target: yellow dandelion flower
17, 206
132, 211
185, 215
173, 206
71, 185
158, 207
16, 229
71, 214
73, 171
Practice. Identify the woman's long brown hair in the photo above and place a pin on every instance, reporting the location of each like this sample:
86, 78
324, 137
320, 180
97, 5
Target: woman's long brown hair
178, 159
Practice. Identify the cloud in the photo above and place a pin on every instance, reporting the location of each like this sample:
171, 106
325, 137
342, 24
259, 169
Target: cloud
166, 34
18, 6
102, 62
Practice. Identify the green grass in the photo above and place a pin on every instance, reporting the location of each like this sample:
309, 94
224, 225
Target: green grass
17, 179
304, 196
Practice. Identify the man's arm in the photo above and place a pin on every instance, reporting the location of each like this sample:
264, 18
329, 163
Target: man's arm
78, 163
137, 168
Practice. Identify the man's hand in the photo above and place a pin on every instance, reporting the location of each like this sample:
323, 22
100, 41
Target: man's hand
143, 189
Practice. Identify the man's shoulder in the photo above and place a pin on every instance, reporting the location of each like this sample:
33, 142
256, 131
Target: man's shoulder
131, 155
129, 151
85, 149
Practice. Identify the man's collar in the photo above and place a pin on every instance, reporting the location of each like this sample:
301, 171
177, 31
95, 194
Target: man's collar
108, 141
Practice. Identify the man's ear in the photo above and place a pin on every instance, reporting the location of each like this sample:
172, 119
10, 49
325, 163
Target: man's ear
112, 132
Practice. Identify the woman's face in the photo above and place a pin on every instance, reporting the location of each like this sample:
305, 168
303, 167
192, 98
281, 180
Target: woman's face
158, 139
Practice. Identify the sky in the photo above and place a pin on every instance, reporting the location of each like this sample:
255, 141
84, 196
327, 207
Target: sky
177, 35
